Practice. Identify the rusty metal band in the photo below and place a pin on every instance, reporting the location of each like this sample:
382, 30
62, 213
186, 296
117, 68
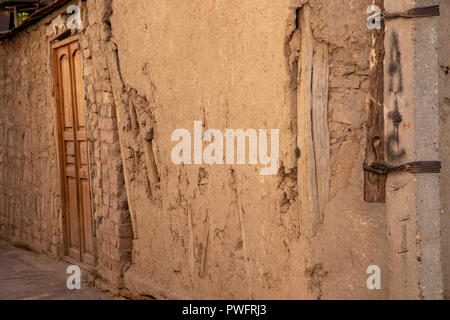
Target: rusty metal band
431, 11
412, 167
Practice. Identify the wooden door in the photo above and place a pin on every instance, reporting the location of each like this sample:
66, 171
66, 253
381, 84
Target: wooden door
79, 243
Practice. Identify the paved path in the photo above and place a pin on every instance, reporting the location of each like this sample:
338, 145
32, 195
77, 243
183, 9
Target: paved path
28, 276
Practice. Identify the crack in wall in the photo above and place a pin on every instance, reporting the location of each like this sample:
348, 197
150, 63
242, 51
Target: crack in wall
316, 275
235, 191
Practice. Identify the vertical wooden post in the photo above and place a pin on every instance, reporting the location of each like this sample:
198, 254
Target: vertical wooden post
16, 20
314, 170
375, 184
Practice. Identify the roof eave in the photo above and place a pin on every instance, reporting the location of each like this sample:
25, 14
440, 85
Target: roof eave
34, 18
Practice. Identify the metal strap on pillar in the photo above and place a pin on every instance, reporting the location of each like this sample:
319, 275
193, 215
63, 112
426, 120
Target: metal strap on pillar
421, 12
412, 167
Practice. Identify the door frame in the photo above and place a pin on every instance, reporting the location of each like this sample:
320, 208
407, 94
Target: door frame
60, 150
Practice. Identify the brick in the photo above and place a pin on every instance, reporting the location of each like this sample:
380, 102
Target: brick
117, 183
88, 71
108, 98
84, 43
108, 123
124, 230
54, 251
104, 151
104, 212
94, 107
107, 86
99, 97
87, 53
108, 110
119, 203
55, 240
117, 282
110, 226
117, 268
125, 243
120, 255
110, 136
106, 249
120, 217
106, 199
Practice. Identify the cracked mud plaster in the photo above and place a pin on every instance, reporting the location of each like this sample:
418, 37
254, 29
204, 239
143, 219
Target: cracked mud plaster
189, 193
316, 275
225, 232
348, 71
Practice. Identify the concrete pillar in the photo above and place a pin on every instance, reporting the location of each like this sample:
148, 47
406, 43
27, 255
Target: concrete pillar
444, 110
412, 134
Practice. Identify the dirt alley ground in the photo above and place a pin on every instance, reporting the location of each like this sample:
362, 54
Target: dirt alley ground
25, 275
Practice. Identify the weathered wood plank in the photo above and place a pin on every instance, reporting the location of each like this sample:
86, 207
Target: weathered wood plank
321, 134
313, 134
375, 185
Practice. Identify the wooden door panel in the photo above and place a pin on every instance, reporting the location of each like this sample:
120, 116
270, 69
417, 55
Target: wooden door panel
71, 107
70, 148
82, 156
88, 249
83, 174
71, 172
66, 89
79, 87
72, 219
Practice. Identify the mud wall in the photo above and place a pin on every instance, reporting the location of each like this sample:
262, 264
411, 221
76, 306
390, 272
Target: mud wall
206, 231
225, 231
30, 194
